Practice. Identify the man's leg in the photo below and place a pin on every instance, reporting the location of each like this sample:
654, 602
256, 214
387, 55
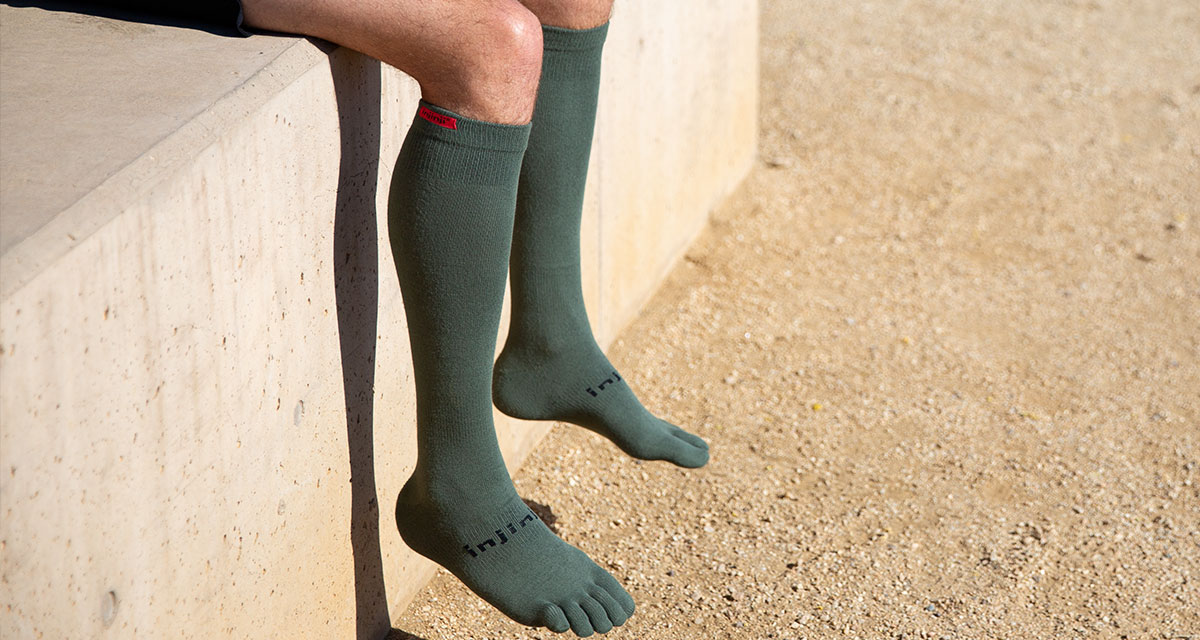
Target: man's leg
551, 367
450, 217
478, 58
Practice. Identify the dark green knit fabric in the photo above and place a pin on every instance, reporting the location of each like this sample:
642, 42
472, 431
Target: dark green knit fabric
450, 217
551, 367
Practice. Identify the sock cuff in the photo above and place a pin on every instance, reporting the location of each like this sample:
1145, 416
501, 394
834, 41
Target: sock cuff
563, 39
449, 127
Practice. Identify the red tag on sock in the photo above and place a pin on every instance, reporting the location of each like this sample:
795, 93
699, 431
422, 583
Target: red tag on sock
437, 118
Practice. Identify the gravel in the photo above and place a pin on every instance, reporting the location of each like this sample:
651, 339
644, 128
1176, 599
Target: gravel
944, 343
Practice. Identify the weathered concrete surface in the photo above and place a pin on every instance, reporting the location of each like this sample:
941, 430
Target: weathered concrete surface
205, 343
680, 100
84, 98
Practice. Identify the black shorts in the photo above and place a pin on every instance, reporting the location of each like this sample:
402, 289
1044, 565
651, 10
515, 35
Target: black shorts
217, 16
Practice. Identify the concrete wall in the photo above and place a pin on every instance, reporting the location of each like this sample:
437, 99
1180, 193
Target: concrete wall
207, 404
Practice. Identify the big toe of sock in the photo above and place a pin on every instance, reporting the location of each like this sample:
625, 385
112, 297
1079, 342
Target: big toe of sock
553, 618
672, 444
693, 450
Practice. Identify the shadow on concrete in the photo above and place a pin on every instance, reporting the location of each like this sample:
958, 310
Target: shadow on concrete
357, 85
219, 18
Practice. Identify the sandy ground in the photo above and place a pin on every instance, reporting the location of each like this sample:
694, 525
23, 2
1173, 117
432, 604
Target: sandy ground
945, 343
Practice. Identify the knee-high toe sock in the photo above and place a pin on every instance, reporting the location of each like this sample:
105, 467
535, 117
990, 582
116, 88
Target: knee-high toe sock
551, 367
450, 216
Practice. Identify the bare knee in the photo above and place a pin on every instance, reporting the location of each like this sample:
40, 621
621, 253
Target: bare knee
492, 73
571, 14
481, 58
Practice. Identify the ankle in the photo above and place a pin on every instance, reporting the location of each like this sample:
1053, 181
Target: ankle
534, 341
428, 489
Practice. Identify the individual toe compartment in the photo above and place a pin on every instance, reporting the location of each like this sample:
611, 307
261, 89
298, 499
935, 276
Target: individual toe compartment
606, 581
684, 450
553, 618
596, 614
689, 438
580, 623
616, 613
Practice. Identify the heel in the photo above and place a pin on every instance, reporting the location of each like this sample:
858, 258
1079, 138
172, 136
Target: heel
511, 383
410, 517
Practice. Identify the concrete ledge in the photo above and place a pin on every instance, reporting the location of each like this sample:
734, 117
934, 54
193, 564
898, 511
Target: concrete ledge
204, 372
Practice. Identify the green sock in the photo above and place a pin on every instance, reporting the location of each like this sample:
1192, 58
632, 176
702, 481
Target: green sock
551, 367
450, 216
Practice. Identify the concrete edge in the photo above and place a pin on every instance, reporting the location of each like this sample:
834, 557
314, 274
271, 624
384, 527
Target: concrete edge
29, 257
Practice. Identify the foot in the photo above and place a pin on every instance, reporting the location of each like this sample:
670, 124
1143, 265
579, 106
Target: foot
500, 549
582, 387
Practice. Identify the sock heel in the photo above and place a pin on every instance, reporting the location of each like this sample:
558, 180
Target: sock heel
511, 384
412, 520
